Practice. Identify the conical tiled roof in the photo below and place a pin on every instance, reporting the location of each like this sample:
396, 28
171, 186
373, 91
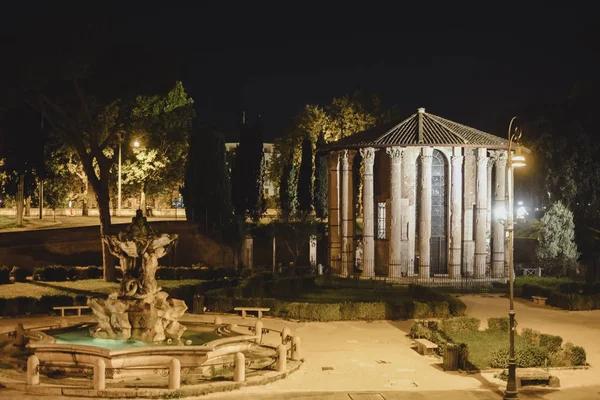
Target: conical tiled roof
420, 129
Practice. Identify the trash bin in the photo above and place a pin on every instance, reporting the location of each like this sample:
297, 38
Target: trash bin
451, 358
198, 304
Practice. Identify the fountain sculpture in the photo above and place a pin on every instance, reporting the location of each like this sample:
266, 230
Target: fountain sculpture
140, 309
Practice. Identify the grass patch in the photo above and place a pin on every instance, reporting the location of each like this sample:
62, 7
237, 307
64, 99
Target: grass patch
83, 287
483, 343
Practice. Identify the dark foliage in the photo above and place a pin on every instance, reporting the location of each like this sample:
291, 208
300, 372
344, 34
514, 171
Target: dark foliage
320, 196
305, 186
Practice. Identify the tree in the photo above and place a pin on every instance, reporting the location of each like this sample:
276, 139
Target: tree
207, 191
305, 177
248, 174
57, 178
161, 124
84, 81
287, 191
321, 197
557, 250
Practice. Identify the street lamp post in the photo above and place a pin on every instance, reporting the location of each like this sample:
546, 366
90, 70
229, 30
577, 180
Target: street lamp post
119, 188
517, 161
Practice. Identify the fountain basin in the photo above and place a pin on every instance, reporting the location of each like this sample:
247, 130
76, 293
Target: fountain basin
131, 358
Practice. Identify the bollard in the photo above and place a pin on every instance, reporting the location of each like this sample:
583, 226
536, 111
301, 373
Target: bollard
100, 374
284, 334
174, 374
296, 349
239, 371
63, 323
258, 331
33, 370
281, 358
218, 321
19, 335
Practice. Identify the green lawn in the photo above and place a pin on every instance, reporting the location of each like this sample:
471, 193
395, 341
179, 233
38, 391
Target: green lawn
483, 343
38, 289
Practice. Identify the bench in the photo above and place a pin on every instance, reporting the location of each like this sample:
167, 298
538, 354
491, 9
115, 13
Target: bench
425, 347
245, 309
539, 300
63, 308
535, 377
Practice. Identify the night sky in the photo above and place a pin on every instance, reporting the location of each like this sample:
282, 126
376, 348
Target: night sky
475, 65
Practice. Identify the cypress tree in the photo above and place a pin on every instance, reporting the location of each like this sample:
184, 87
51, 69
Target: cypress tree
305, 177
287, 190
255, 198
321, 198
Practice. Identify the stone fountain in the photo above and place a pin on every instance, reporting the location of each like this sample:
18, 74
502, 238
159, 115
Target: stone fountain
140, 309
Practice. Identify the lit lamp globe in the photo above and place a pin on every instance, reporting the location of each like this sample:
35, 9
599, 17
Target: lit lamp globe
518, 160
136, 144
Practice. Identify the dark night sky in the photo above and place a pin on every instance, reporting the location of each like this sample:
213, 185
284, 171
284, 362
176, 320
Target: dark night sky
475, 66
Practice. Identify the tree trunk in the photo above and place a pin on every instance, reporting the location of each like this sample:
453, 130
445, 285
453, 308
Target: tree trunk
20, 195
41, 199
108, 260
84, 207
28, 206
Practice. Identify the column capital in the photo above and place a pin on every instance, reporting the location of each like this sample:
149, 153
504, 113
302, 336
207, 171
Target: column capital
395, 153
482, 158
500, 158
457, 160
347, 156
368, 155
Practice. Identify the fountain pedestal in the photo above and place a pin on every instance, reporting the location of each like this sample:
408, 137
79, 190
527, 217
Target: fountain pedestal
140, 309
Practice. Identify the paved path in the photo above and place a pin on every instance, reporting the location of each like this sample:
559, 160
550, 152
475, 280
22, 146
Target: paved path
354, 356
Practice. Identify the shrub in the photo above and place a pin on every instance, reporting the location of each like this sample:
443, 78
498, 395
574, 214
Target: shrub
457, 307
499, 324
4, 275
460, 324
91, 272
440, 309
167, 274
578, 356
551, 342
363, 311
314, 311
531, 336
19, 274
526, 357
421, 310
46, 302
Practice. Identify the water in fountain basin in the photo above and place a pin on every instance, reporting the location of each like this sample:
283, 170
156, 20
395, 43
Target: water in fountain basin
82, 337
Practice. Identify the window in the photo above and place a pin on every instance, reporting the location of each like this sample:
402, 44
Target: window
380, 220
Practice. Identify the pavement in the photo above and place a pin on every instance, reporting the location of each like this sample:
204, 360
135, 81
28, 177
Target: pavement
360, 360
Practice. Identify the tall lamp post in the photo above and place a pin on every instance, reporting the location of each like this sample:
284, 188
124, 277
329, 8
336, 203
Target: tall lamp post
119, 188
513, 161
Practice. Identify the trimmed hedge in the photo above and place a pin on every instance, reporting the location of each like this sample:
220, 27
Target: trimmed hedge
551, 342
19, 274
500, 324
532, 336
588, 299
4, 275
460, 324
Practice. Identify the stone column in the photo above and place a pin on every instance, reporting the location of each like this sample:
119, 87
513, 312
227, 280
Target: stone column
425, 213
481, 208
368, 262
239, 367
335, 244
348, 254
468, 250
395, 260
499, 204
488, 220
456, 213
409, 195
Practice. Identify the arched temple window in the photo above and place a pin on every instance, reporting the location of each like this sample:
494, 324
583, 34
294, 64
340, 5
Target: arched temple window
439, 217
